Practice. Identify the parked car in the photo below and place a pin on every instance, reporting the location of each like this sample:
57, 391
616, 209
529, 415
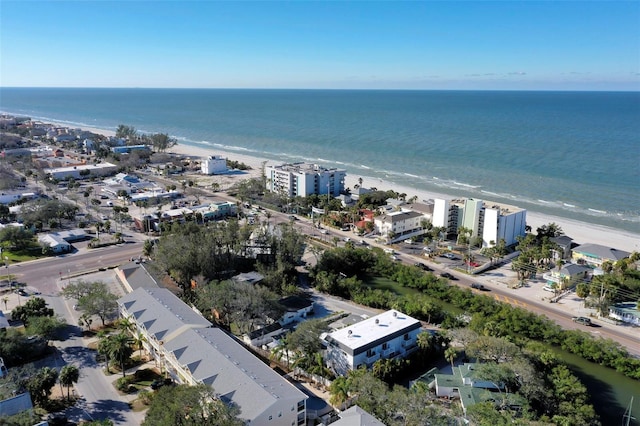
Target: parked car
450, 256
478, 286
582, 320
448, 276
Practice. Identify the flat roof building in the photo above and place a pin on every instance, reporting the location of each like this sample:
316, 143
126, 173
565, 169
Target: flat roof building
303, 179
388, 335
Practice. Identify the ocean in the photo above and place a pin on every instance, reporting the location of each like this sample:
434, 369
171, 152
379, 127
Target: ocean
568, 154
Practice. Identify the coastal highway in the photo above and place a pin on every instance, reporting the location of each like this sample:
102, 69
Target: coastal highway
560, 314
45, 274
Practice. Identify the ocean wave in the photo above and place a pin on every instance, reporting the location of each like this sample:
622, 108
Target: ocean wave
597, 211
466, 185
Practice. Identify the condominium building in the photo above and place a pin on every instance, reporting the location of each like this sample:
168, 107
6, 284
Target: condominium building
304, 179
489, 220
388, 335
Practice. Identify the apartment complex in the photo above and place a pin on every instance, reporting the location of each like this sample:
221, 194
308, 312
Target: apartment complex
213, 164
388, 335
192, 351
304, 179
489, 220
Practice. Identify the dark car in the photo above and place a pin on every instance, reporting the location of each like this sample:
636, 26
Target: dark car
448, 276
582, 320
478, 286
423, 266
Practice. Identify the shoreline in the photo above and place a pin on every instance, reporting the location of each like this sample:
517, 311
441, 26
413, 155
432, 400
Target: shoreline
580, 231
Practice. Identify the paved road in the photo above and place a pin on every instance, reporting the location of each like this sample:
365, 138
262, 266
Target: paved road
45, 275
526, 298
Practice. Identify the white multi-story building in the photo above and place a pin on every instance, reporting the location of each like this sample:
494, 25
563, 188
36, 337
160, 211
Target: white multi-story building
389, 335
214, 164
489, 220
303, 179
401, 225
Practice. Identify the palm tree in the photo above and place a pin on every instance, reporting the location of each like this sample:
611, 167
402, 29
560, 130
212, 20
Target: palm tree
339, 391
69, 374
120, 349
450, 354
5, 299
104, 348
125, 324
138, 341
424, 340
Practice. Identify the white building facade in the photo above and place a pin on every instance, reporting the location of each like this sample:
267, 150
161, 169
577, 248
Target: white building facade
214, 164
389, 335
304, 179
489, 220
400, 225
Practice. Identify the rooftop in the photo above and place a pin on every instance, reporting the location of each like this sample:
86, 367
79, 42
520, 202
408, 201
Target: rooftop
374, 328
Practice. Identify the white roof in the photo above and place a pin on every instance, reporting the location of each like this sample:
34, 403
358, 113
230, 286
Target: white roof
368, 331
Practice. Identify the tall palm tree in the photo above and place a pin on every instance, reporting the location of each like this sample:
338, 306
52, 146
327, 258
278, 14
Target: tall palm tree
450, 354
138, 341
425, 340
69, 374
339, 391
104, 348
120, 349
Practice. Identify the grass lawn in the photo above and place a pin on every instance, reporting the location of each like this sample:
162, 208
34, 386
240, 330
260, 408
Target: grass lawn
382, 283
17, 256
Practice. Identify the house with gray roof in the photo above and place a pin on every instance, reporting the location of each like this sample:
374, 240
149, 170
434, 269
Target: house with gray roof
595, 254
356, 416
212, 357
134, 275
193, 352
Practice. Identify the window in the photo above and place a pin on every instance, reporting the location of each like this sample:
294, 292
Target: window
270, 417
406, 336
370, 353
385, 346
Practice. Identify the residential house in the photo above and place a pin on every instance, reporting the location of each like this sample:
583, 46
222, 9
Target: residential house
356, 416
127, 149
595, 255
399, 225
304, 179
263, 336
465, 384
296, 309
190, 351
568, 276
388, 335
627, 312
564, 245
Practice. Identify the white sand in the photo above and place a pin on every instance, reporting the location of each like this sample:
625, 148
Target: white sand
581, 232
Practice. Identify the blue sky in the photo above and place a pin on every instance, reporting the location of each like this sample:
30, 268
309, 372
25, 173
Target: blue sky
550, 45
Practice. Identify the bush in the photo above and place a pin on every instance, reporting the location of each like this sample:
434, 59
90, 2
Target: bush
145, 396
145, 374
123, 384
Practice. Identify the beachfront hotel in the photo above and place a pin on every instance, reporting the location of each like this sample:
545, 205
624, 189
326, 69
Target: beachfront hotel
489, 220
304, 179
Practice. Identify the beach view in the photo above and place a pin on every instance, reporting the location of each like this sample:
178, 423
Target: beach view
283, 225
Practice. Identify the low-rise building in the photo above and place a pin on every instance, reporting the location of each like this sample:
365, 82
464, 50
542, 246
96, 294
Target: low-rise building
192, 352
356, 416
595, 254
213, 165
568, 276
627, 312
296, 309
81, 171
399, 225
388, 335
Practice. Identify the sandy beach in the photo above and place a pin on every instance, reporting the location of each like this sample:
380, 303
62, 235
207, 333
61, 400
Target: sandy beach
581, 232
